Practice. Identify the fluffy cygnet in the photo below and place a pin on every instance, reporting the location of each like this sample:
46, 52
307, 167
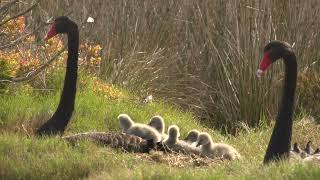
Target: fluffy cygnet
192, 137
141, 130
176, 145
158, 123
216, 150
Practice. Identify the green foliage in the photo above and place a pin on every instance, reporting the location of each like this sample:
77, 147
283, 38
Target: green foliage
198, 55
37, 105
4, 75
201, 56
309, 93
23, 156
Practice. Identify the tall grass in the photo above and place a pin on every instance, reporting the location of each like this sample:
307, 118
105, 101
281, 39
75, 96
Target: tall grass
201, 55
25, 156
24, 108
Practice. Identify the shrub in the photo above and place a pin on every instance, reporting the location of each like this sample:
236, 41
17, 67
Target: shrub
201, 55
309, 92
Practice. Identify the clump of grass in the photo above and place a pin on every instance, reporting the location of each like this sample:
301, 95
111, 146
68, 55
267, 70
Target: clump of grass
23, 158
201, 56
309, 92
52, 158
95, 109
27, 156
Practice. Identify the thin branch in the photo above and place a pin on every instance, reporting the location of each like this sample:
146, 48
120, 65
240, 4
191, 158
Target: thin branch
19, 39
19, 14
7, 5
31, 75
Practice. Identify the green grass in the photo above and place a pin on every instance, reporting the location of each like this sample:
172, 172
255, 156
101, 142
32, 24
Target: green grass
23, 156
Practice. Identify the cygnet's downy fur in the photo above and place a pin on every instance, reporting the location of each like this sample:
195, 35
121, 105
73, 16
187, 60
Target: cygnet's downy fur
158, 123
216, 150
192, 137
307, 154
173, 135
176, 145
144, 131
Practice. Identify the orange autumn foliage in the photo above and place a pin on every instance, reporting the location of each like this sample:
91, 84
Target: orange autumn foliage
29, 55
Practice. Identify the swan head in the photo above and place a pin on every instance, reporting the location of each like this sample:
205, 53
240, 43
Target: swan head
273, 51
158, 123
125, 121
192, 135
173, 132
296, 148
60, 25
204, 139
308, 148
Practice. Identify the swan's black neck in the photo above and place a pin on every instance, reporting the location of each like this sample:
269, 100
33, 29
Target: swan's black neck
280, 142
60, 119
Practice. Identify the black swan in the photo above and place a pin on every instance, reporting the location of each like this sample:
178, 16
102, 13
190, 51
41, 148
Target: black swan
280, 142
58, 122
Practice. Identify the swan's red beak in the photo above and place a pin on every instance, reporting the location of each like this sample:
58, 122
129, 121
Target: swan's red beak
265, 63
51, 33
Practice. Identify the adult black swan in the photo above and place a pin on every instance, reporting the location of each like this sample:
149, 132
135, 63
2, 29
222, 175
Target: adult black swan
58, 122
60, 119
280, 142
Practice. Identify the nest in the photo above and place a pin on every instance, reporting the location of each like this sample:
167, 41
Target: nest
179, 159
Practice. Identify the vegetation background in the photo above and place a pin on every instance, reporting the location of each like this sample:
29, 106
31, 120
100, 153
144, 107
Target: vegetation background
196, 57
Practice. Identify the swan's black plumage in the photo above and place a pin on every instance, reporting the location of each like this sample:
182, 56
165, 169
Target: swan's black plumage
58, 122
280, 142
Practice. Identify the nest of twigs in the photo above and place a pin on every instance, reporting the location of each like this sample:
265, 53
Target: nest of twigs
179, 159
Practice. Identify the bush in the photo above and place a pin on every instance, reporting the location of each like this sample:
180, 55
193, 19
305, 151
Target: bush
201, 55
309, 92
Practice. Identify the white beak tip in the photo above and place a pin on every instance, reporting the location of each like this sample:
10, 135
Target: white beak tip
259, 73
